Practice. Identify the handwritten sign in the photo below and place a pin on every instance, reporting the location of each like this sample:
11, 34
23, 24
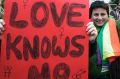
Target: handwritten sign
45, 39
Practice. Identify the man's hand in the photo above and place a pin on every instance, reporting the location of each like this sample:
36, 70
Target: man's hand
2, 29
91, 31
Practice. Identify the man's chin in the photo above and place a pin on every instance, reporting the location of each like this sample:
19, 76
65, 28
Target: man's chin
100, 25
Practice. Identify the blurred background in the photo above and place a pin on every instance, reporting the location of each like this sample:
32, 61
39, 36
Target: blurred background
1, 8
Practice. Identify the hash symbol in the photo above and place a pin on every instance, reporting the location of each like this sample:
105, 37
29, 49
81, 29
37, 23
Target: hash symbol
7, 71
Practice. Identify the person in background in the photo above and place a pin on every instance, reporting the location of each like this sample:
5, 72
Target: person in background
104, 45
116, 11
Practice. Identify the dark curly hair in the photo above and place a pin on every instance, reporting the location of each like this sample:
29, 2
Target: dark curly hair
98, 4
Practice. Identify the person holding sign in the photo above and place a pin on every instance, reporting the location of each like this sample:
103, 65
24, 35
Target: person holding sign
104, 37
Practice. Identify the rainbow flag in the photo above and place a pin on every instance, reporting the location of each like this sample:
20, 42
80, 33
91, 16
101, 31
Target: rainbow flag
108, 41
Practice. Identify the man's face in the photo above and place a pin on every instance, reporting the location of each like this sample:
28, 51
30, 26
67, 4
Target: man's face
99, 16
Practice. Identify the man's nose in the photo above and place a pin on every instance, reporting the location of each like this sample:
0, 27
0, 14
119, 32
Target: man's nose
99, 17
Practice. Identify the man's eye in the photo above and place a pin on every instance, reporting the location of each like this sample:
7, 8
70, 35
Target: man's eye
103, 14
96, 14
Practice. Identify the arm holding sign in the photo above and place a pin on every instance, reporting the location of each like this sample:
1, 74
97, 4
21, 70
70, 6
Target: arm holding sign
92, 32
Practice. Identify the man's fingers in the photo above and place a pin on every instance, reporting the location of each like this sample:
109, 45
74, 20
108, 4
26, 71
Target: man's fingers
91, 30
2, 22
93, 33
90, 23
89, 27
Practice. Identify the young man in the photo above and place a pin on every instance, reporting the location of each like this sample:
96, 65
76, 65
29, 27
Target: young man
104, 36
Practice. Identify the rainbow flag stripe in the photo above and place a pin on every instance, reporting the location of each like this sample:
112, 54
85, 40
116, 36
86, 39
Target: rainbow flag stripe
108, 41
